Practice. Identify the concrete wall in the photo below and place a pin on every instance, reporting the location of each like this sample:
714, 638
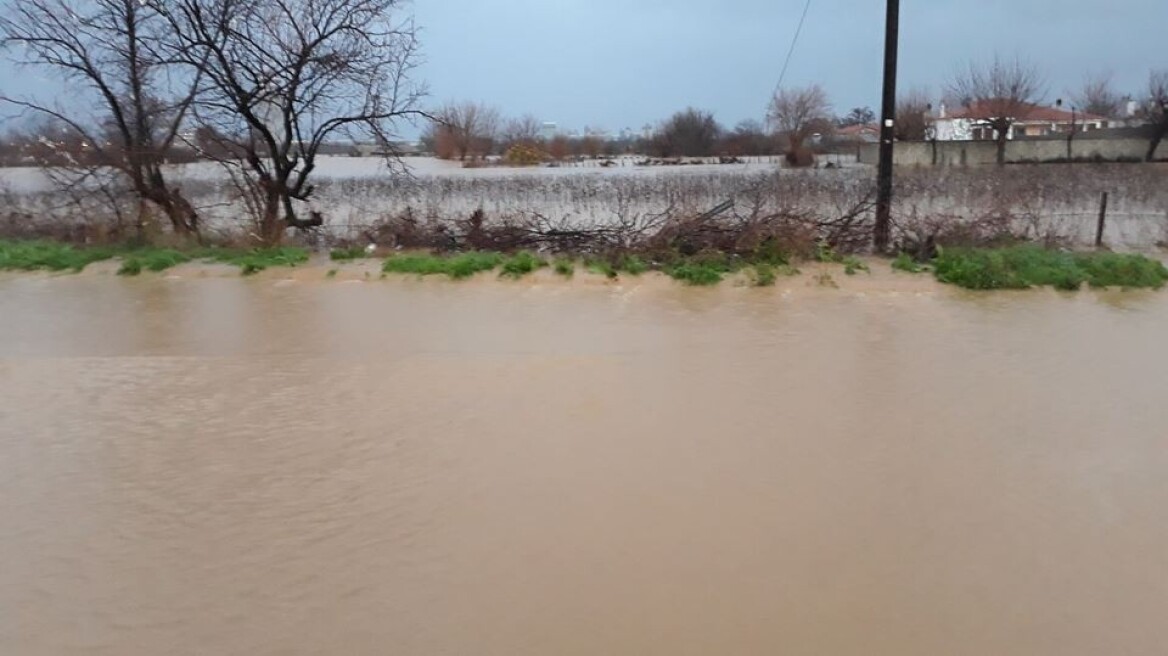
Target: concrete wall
980, 153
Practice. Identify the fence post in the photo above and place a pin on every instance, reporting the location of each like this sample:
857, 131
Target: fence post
1102, 220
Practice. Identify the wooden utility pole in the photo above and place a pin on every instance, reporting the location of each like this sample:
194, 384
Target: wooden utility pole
883, 231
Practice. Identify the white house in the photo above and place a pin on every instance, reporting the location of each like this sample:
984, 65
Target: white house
973, 123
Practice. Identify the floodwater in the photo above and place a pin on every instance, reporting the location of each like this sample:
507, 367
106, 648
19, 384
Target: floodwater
267, 467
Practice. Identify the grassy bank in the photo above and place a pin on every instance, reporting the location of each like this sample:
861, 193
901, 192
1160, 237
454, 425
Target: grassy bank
1013, 267
52, 256
1022, 267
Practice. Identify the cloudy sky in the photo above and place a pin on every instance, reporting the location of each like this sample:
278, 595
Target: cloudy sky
623, 63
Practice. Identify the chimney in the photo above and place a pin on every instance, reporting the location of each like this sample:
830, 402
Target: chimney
941, 110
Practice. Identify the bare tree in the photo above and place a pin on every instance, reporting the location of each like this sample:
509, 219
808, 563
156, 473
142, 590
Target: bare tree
747, 139
912, 115
524, 130
796, 114
282, 76
1097, 96
111, 54
470, 127
1155, 110
999, 93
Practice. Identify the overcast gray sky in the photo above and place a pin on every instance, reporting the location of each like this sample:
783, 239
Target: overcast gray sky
623, 63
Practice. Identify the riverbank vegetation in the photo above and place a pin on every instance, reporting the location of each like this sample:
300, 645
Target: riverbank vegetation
52, 256
1017, 266
1025, 266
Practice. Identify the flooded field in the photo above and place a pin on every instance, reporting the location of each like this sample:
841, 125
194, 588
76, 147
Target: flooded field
289, 466
1049, 203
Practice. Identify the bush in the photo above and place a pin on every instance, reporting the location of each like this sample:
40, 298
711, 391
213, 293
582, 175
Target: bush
523, 155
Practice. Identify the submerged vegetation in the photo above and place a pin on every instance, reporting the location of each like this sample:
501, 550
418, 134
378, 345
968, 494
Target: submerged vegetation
1010, 267
49, 256
52, 256
1022, 267
463, 265
904, 262
564, 266
521, 264
346, 254
152, 259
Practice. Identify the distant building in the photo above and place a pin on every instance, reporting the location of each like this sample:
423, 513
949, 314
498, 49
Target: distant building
861, 133
973, 123
548, 131
395, 148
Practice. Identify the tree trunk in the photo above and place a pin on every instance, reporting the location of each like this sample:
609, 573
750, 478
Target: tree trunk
1002, 148
184, 219
271, 226
1155, 143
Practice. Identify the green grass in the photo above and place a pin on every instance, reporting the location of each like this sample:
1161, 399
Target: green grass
853, 265
332, 273
764, 275
825, 253
459, 266
1022, 267
257, 259
521, 264
345, 254
51, 256
151, 259
601, 267
631, 264
706, 268
904, 262
564, 266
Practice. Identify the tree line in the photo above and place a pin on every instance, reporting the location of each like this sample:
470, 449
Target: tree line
801, 120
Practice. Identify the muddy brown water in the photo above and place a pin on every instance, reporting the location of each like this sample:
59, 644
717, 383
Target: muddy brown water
267, 467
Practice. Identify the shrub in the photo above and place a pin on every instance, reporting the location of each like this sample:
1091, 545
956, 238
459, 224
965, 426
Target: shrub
523, 155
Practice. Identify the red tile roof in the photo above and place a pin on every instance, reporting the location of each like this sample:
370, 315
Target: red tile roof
857, 130
985, 111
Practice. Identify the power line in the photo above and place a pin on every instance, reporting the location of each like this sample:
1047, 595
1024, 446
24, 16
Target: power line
794, 42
